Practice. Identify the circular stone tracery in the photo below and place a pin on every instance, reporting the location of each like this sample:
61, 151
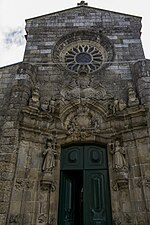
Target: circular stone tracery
86, 56
85, 50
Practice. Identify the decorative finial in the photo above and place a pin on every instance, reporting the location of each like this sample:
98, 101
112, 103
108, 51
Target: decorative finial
82, 3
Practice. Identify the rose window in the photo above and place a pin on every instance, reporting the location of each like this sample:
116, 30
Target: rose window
83, 56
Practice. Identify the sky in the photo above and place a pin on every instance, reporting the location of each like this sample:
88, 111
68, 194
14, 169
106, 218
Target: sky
14, 12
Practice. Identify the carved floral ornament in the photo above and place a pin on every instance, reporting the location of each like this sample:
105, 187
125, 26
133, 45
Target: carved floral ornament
15, 219
145, 181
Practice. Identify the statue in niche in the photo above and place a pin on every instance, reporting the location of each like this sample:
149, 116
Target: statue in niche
119, 161
45, 105
132, 99
122, 105
49, 158
120, 167
115, 107
35, 98
118, 105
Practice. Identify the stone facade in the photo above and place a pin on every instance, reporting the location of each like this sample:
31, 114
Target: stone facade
45, 104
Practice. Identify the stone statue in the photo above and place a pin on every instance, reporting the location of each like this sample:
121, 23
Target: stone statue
45, 105
118, 105
35, 99
132, 99
49, 159
119, 161
52, 105
115, 107
122, 105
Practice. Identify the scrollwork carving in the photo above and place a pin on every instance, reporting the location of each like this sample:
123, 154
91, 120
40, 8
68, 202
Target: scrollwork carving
42, 218
15, 219
145, 181
52, 220
128, 218
120, 182
83, 87
116, 220
20, 184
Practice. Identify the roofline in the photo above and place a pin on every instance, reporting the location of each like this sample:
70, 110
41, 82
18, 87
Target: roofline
64, 10
13, 64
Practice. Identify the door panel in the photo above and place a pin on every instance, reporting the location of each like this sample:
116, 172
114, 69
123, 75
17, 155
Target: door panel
97, 207
72, 158
84, 173
95, 157
66, 211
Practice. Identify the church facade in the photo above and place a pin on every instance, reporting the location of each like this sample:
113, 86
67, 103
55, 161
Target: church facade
74, 115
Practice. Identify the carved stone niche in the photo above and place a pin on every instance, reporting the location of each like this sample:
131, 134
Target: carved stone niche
132, 98
119, 165
49, 163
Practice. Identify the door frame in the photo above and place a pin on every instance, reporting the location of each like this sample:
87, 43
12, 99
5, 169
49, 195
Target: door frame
106, 170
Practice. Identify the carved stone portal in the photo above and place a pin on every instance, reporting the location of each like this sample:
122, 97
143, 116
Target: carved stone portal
83, 111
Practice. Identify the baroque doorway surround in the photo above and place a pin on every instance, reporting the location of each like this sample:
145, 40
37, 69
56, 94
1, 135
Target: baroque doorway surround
83, 112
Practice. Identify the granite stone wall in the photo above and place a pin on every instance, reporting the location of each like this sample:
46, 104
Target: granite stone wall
43, 102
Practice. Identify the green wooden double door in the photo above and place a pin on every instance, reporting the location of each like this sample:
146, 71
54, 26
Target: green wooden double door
84, 186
